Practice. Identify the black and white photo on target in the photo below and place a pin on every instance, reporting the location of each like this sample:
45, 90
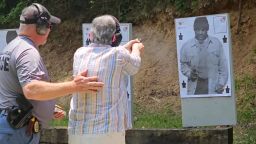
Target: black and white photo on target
203, 44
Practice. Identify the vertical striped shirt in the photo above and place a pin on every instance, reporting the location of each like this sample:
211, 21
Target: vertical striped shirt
107, 110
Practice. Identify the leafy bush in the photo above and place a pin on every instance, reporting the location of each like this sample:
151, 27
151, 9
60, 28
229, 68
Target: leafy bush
125, 10
11, 10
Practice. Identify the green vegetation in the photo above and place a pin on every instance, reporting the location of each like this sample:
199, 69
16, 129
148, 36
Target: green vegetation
245, 131
63, 122
148, 118
143, 120
126, 10
246, 103
157, 120
9, 12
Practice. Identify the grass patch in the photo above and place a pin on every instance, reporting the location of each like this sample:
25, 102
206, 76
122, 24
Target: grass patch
144, 119
63, 122
245, 131
148, 118
152, 120
247, 99
245, 135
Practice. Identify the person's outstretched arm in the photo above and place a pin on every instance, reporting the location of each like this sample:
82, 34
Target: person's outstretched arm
133, 58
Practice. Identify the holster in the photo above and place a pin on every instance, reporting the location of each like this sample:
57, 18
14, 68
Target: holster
19, 116
33, 126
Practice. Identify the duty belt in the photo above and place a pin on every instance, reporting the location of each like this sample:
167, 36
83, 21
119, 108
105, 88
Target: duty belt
33, 125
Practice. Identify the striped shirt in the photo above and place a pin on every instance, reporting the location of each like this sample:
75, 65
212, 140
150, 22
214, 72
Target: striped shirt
107, 110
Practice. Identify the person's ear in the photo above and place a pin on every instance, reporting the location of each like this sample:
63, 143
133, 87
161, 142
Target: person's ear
113, 38
90, 36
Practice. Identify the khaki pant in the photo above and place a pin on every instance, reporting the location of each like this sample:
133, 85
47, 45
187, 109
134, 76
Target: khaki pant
109, 138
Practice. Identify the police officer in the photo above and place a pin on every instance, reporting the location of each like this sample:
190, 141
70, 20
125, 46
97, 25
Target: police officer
24, 75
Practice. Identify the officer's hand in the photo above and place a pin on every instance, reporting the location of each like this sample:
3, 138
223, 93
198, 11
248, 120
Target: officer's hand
219, 88
87, 84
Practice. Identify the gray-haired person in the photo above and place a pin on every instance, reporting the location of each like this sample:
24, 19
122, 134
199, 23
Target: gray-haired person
203, 61
26, 95
102, 117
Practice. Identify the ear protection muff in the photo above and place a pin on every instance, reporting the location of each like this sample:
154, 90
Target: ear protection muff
117, 37
42, 20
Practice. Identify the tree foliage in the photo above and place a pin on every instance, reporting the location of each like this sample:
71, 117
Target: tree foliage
85, 10
10, 11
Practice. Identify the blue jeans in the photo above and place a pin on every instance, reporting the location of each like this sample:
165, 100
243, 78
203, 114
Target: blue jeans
9, 135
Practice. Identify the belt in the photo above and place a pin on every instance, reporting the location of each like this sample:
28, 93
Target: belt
33, 125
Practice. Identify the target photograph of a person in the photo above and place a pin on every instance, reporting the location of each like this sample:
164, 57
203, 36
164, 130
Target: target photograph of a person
203, 61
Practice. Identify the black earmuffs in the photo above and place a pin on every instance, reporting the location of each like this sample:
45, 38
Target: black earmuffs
42, 20
117, 37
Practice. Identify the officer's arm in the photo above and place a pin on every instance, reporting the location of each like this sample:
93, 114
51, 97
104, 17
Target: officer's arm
41, 90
